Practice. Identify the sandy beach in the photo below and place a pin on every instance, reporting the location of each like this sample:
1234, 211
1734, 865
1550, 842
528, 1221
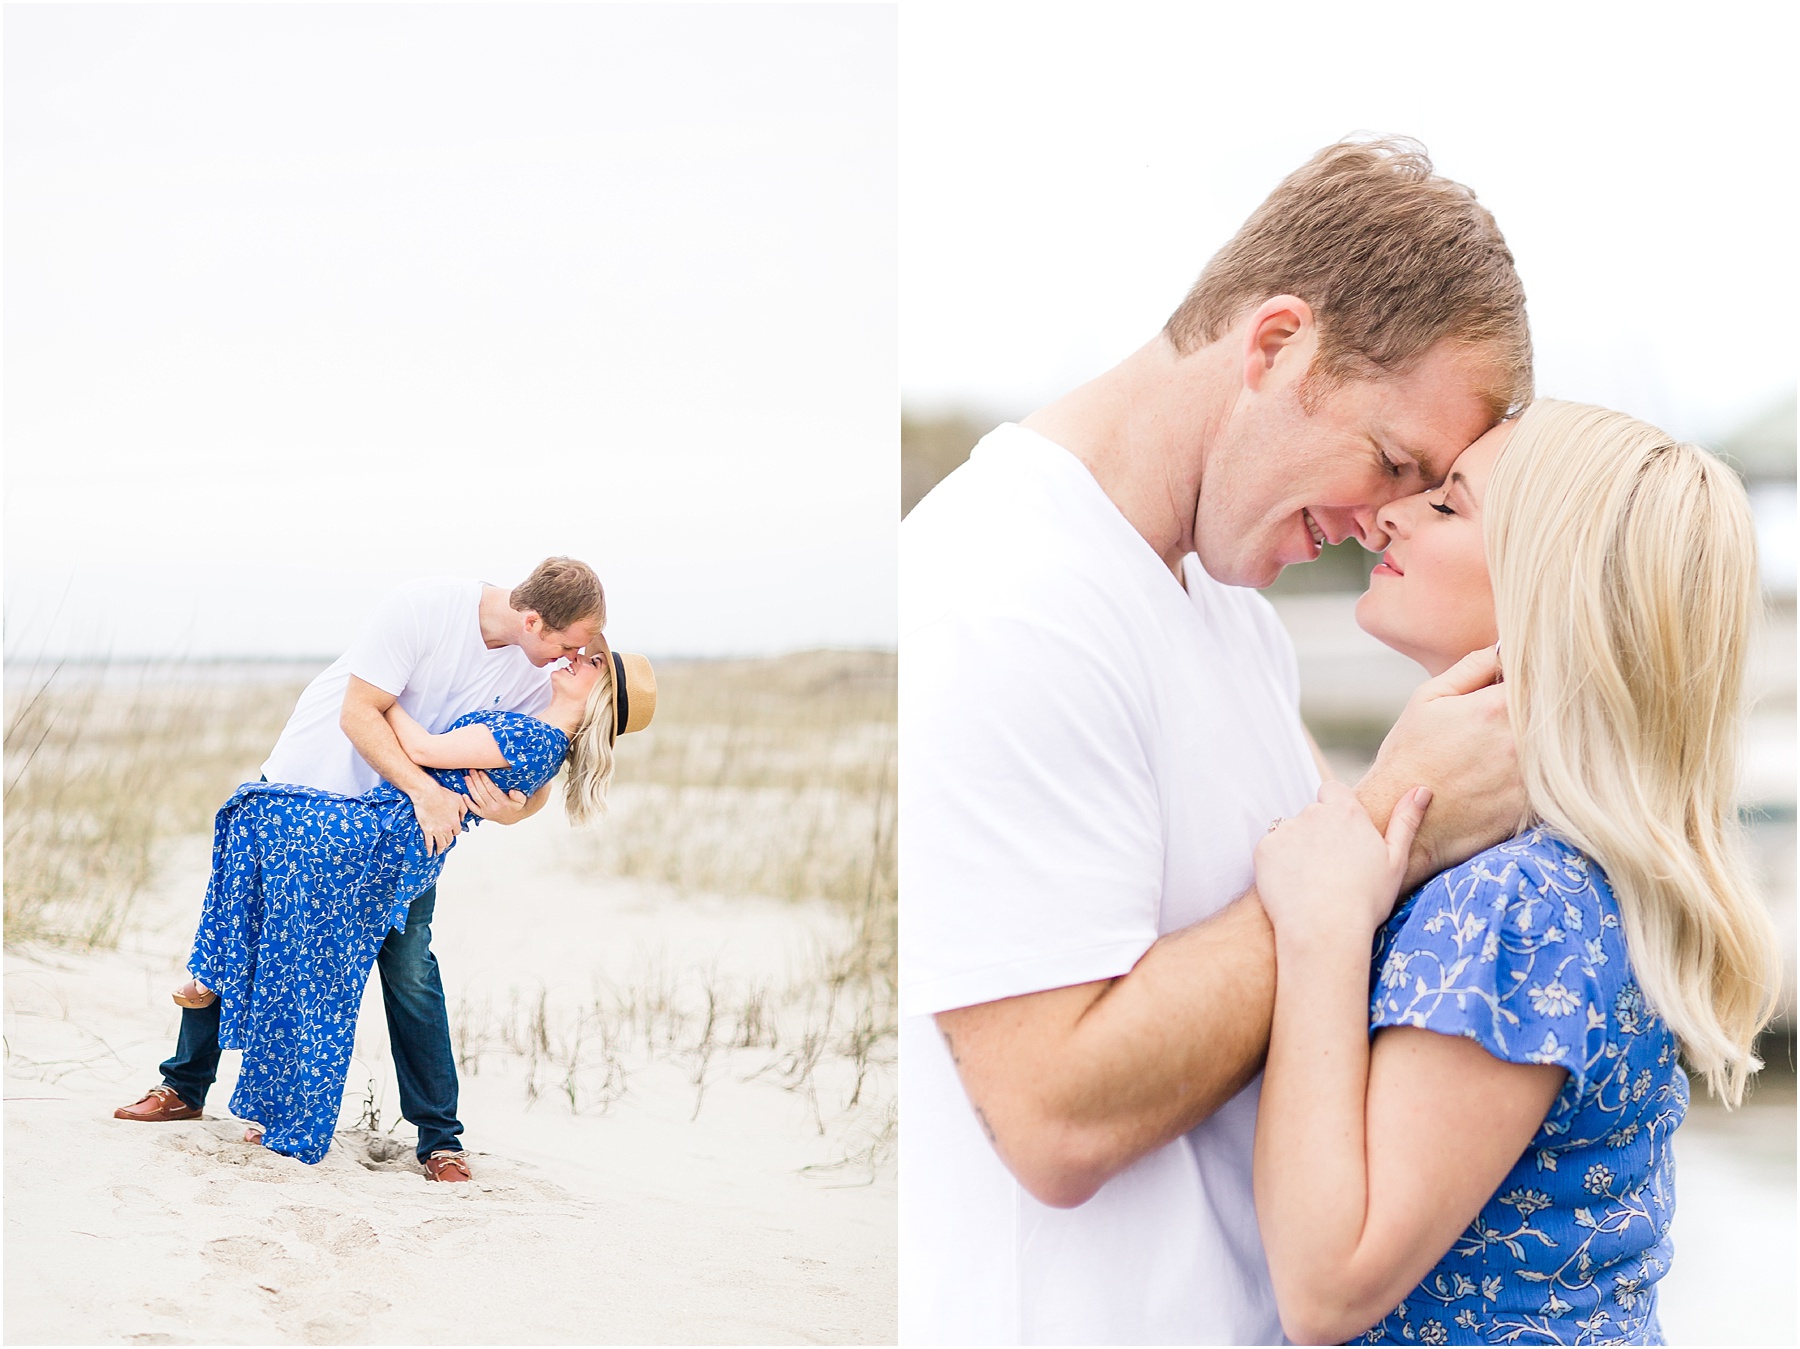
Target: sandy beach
659, 1192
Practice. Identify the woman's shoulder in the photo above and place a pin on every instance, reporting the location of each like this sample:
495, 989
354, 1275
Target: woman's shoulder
1544, 886
496, 719
520, 732
1520, 948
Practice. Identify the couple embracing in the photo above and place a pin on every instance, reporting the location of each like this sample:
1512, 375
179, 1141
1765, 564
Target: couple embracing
459, 702
1201, 1046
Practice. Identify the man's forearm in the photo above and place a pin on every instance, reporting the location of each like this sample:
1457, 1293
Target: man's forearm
1076, 1084
372, 737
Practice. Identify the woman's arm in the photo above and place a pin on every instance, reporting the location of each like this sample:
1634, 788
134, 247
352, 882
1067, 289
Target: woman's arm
1368, 1166
465, 747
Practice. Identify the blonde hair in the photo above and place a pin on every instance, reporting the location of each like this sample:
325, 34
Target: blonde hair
1393, 260
590, 758
1624, 573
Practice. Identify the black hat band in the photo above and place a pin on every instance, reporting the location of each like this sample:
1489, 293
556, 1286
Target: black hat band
621, 699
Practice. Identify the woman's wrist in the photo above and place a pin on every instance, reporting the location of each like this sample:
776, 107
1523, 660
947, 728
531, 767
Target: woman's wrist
1344, 936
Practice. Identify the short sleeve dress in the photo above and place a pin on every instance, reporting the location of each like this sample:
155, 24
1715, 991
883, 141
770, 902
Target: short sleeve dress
306, 884
1520, 949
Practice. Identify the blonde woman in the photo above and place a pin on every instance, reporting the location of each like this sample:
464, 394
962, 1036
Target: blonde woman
1473, 1147
307, 884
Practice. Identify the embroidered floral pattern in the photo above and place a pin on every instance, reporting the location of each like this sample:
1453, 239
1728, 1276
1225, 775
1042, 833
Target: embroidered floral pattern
1521, 950
306, 885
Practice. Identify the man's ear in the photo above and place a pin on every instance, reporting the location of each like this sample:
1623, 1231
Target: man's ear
1281, 327
533, 621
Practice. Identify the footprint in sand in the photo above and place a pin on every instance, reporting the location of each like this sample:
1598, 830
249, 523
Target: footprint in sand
267, 1263
377, 1152
135, 1201
329, 1330
436, 1229
343, 1325
204, 1150
252, 1253
326, 1230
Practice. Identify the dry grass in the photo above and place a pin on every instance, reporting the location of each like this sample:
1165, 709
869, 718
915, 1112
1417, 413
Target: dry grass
772, 778
767, 777
100, 763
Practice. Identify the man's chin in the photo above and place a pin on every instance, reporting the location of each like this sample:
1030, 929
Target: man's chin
1251, 573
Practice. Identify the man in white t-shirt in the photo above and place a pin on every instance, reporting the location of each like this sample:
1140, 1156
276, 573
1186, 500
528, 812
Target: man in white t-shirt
1099, 720
439, 648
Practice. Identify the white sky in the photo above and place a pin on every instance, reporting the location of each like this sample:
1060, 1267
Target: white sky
1066, 171
302, 301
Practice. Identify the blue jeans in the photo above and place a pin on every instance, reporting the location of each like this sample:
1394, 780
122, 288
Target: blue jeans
412, 992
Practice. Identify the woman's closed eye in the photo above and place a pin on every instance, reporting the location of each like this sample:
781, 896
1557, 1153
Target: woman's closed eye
1442, 508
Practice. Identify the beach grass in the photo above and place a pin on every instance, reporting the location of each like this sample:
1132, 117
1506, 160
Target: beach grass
771, 777
760, 777
104, 761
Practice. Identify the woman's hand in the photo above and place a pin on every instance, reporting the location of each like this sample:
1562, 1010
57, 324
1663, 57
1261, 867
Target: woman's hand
1330, 870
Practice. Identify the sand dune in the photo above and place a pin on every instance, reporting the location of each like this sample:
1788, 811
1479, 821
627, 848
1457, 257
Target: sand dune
639, 1222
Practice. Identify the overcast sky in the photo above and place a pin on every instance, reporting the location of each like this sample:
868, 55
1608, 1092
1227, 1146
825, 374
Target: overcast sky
305, 300
1067, 170
302, 301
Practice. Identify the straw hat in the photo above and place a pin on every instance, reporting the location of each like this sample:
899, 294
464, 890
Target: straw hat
636, 683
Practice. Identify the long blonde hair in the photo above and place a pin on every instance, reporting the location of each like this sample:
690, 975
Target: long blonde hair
1624, 573
590, 758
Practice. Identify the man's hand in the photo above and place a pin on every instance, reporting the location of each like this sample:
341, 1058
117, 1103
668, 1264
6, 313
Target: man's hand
440, 814
1454, 737
489, 802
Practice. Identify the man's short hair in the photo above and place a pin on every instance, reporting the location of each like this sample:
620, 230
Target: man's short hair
563, 592
1393, 260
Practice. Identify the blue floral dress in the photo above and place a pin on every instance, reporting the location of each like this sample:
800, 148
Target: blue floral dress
1520, 949
306, 885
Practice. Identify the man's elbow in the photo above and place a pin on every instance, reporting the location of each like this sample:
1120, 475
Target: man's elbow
1062, 1166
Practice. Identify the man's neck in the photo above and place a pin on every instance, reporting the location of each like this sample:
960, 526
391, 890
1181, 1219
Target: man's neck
501, 624
1143, 430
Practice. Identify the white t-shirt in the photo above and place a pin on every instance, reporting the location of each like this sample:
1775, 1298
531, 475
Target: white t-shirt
1089, 753
423, 644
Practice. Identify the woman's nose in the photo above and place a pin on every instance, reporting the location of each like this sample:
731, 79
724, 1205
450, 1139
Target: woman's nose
1390, 520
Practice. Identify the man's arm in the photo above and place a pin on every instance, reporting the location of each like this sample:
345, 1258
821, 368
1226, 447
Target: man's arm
468, 747
1075, 1084
439, 810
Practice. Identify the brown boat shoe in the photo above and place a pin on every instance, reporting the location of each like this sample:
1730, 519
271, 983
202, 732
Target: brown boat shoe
194, 994
447, 1166
159, 1105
